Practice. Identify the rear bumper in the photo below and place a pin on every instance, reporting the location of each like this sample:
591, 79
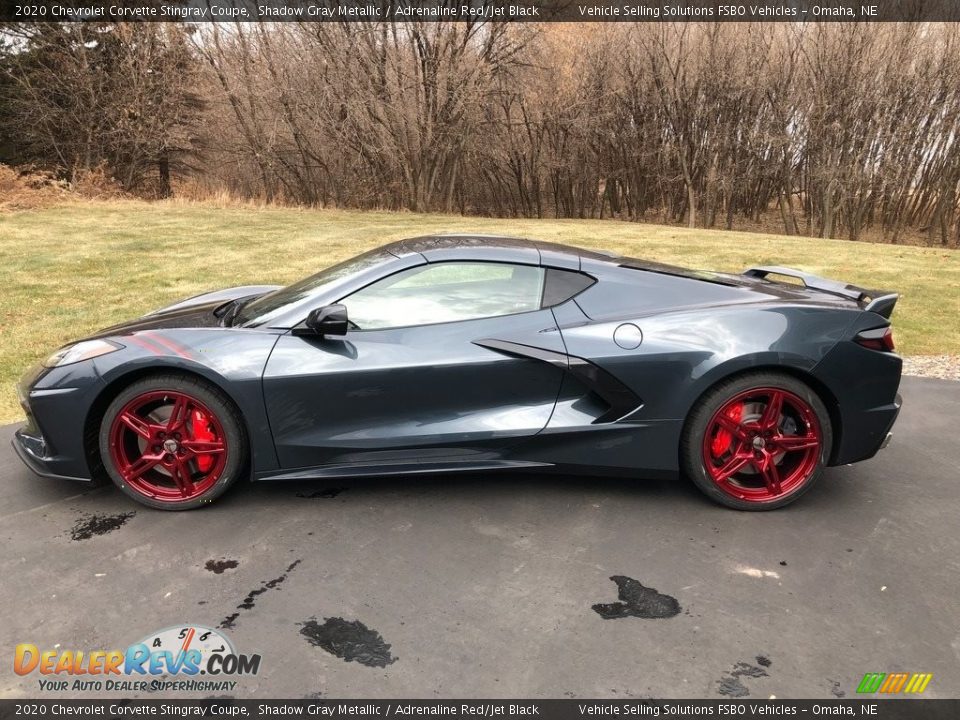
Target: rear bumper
868, 433
865, 385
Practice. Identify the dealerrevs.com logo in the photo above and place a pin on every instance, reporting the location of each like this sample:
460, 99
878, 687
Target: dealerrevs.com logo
185, 658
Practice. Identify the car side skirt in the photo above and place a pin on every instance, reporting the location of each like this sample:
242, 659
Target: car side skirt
400, 468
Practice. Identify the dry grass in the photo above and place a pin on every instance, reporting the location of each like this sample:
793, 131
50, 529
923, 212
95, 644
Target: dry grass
26, 188
75, 267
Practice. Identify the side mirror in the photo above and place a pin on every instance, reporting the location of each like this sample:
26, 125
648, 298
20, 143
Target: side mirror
329, 320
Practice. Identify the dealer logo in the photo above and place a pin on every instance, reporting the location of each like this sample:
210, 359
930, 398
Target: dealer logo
181, 652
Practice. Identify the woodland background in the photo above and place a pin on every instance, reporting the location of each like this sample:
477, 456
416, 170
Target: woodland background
828, 130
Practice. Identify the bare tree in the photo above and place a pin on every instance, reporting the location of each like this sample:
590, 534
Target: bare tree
78, 96
834, 130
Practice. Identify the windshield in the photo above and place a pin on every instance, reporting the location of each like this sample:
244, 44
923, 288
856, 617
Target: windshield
269, 306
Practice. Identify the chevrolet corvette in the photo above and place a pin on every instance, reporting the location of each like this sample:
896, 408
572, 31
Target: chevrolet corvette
451, 354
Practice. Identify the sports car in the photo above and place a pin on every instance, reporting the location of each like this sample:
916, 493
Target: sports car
451, 354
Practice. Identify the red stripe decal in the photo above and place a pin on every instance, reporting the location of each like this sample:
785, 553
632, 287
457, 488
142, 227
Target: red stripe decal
146, 345
170, 345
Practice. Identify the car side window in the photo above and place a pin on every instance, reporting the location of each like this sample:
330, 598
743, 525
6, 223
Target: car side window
446, 292
561, 285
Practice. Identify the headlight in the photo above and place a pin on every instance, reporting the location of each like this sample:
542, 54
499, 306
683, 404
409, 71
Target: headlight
80, 351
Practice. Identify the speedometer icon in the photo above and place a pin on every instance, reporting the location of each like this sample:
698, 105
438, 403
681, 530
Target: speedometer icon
179, 639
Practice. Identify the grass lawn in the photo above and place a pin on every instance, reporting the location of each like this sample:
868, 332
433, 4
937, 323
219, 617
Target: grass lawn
67, 270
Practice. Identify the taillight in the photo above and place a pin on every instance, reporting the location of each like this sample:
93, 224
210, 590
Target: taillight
877, 339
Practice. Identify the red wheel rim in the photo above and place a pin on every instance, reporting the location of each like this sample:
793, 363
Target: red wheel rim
762, 445
168, 446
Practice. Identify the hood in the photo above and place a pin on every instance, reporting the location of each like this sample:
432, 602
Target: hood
199, 311
218, 296
195, 316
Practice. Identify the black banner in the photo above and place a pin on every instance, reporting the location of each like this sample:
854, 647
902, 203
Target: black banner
870, 707
478, 10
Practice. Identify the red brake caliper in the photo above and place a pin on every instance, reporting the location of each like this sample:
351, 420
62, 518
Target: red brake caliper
202, 433
723, 438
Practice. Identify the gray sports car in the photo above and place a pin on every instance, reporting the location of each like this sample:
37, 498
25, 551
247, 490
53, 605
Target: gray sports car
467, 353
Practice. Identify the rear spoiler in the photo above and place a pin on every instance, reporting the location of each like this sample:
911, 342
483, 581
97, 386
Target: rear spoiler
878, 301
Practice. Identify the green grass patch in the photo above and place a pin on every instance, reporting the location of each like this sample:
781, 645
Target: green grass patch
68, 270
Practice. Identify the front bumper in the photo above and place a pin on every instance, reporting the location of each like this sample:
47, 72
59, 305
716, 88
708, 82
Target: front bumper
50, 443
32, 450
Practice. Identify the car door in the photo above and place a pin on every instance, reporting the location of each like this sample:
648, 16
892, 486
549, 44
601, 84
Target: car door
410, 379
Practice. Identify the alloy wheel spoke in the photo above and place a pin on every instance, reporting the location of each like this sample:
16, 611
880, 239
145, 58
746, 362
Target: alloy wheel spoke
770, 420
181, 476
203, 447
732, 466
140, 426
143, 463
732, 426
179, 413
789, 443
771, 474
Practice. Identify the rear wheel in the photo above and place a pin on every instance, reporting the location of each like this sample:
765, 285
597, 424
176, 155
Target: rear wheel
172, 442
757, 442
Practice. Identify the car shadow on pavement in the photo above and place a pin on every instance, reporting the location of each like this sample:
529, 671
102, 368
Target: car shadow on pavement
447, 487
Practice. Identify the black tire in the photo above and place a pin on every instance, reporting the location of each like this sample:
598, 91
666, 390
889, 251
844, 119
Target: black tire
230, 420
692, 442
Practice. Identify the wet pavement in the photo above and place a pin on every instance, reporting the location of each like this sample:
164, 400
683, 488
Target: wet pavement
512, 585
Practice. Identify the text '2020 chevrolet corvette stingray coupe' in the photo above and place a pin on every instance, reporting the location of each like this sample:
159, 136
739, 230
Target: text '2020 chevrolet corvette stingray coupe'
466, 353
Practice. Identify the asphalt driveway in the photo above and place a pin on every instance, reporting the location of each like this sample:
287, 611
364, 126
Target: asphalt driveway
485, 585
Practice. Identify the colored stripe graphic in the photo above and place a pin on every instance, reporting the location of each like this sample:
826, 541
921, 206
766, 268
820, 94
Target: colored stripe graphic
169, 344
893, 683
151, 346
918, 682
871, 682
158, 345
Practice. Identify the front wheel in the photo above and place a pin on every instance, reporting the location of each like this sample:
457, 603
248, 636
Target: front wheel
757, 442
172, 442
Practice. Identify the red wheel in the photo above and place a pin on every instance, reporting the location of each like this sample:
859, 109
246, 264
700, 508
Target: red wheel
761, 441
174, 446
